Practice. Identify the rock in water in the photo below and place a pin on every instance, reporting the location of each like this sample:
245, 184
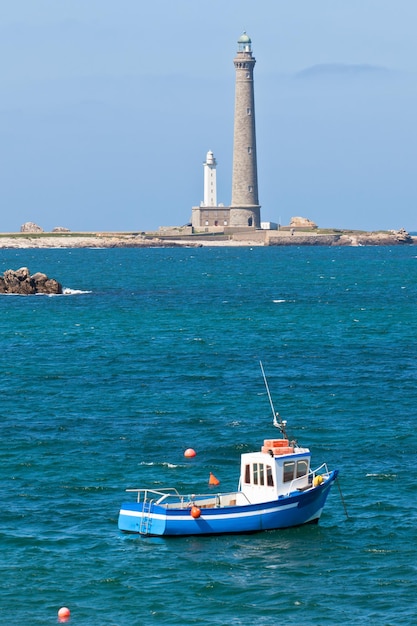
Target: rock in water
21, 282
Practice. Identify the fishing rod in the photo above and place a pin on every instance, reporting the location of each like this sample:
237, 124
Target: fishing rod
277, 421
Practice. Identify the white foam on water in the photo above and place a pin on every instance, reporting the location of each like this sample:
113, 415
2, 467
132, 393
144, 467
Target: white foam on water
73, 292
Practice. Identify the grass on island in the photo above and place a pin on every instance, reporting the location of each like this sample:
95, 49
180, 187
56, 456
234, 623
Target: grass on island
67, 235
160, 235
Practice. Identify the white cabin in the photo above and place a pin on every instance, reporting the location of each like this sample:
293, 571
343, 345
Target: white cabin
278, 469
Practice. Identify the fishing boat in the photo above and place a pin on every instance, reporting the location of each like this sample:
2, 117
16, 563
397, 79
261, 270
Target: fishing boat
277, 489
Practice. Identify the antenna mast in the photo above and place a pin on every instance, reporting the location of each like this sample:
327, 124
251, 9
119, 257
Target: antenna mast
277, 421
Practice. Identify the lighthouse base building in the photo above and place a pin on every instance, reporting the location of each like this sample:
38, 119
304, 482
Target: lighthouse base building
210, 215
224, 218
210, 218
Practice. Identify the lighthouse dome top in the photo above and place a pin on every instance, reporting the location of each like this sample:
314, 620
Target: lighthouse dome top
244, 43
244, 38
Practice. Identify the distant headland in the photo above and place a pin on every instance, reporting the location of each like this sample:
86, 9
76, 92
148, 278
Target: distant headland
296, 234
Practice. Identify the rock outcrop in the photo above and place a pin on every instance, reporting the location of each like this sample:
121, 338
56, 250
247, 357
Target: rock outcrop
402, 236
388, 238
302, 222
21, 282
61, 229
31, 227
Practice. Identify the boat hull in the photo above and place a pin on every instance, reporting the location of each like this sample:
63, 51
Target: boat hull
295, 509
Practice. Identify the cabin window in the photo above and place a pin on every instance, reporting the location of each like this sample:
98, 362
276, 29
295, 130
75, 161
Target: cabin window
289, 467
261, 475
302, 468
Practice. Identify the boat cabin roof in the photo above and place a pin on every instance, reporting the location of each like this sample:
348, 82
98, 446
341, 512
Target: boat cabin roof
279, 447
248, 457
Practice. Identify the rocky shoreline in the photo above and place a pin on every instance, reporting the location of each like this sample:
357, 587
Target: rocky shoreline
254, 238
347, 238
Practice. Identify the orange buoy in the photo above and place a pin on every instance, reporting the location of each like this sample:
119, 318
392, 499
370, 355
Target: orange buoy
189, 453
213, 480
195, 512
64, 614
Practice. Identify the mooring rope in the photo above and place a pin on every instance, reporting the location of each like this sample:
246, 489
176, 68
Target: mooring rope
342, 498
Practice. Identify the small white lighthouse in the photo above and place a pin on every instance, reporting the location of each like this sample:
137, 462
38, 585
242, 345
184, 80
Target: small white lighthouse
210, 184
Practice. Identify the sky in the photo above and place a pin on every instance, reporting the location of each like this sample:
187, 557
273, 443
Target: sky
108, 108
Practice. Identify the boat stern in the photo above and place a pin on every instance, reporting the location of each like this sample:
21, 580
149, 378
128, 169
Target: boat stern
137, 517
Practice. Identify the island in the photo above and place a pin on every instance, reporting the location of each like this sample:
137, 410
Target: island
300, 232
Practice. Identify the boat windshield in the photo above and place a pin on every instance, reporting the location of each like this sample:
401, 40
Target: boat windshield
293, 469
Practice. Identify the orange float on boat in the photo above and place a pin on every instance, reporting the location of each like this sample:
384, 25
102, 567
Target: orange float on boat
279, 450
276, 443
195, 512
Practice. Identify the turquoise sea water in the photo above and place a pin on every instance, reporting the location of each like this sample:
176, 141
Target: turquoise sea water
158, 350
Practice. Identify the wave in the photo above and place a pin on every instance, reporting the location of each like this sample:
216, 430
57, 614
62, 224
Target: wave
73, 292
160, 464
65, 292
382, 476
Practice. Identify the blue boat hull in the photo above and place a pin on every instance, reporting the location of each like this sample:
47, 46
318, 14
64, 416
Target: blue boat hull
296, 509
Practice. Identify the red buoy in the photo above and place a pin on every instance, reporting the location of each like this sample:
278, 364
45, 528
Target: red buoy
189, 453
195, 512
64, 614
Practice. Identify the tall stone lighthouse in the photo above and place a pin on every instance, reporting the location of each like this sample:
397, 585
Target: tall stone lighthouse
244, 208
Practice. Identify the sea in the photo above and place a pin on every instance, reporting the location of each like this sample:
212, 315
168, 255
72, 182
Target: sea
153, 351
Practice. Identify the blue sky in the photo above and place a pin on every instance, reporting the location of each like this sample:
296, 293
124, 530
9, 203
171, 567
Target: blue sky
107, 110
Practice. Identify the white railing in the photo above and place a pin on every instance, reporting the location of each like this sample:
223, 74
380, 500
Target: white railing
171, 497
146, 495
301, 480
